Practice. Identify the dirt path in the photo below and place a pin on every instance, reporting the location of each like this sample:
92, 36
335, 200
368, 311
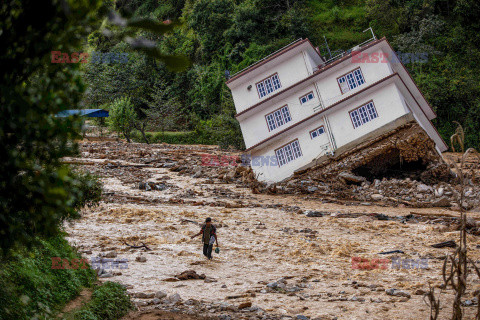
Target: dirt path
263, 238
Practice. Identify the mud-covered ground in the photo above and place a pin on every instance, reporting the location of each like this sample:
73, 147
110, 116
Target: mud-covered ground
281, 256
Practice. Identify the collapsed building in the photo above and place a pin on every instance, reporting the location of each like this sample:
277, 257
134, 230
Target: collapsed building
359, 113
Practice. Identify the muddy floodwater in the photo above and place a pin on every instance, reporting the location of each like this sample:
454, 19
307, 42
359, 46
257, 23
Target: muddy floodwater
287, 255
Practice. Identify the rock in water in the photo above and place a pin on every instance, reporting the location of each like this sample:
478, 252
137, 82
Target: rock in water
244, 305
174, 299
111, 254
190, 274
397, 293
312, 213
141, 259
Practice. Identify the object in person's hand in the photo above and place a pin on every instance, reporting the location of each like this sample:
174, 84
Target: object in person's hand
217, 250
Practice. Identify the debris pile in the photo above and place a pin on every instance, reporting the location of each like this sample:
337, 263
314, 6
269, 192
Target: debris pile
398, 168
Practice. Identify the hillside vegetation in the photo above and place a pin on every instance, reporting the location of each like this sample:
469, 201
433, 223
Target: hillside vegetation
219, 35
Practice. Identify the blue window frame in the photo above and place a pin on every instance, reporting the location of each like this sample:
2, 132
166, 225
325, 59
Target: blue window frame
351, 80
288, 152
309, 96
363, 114
315, 133
268, 85
278, 118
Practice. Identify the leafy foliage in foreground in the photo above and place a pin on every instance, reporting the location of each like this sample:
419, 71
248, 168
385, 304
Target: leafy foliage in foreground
36, 191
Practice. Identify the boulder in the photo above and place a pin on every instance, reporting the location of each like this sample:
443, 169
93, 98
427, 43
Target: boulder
350, 177
423, 188
312, 213
111, 254
439, 192
442, 202
173, 299
141, 259
143, 295
106, 275
471, 223
376, 197
190, 274
397, 293
160, 295
244, 305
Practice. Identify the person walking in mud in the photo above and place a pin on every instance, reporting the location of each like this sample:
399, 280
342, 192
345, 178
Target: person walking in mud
209, 237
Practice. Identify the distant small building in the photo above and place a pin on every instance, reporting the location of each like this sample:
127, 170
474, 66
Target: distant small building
91, 113
296, 108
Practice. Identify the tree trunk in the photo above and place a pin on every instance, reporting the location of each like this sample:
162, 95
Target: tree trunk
127, 136
142, 130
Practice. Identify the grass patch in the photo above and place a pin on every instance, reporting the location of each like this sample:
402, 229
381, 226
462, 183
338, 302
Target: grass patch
185, 137
30, 288
109, 302
342, 24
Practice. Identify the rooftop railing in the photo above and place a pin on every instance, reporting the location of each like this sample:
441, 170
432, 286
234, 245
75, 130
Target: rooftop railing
347, 52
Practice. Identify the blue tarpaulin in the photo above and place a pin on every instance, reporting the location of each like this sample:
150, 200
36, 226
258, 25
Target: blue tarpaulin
92, 113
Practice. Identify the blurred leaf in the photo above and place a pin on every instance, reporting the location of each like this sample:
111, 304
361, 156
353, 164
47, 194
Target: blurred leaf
173, 63
150, 25
116, 19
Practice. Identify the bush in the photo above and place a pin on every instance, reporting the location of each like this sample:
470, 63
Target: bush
188, 137
90, 189
122, 117
222, 130
29, 287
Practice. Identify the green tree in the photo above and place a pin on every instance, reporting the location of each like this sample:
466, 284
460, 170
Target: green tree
122, 117
210, 19
36, 191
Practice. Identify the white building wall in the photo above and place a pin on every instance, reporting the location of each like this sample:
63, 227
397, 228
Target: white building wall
388, 103
311, 149
372, 72
289, 72
255, 129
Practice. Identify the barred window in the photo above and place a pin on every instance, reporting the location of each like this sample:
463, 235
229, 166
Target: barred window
351, 80
268, 85
363, 114
315, 133
278, 118
289, 152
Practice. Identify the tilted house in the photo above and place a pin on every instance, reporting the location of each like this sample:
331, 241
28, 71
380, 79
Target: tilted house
295, 108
